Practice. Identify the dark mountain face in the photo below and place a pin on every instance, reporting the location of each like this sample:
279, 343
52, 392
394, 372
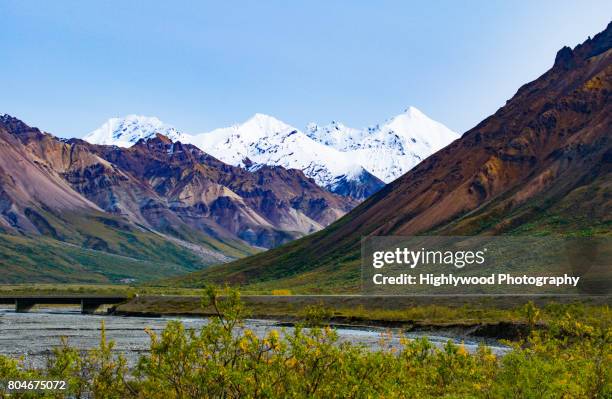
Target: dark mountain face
541, 164
174, 192
363, 187
265, 208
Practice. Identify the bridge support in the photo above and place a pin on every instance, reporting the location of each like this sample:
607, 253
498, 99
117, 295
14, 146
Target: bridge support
89, 307
89, 304
23, 306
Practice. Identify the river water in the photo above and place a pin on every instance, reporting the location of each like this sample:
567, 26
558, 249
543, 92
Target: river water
32, 334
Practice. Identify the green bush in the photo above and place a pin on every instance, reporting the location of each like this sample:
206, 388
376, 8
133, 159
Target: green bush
570, 359
316, 315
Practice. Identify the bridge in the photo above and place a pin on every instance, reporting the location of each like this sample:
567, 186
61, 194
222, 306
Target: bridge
89, 304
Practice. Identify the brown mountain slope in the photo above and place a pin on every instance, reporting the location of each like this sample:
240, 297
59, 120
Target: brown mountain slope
26, 182
540, 164
50, 232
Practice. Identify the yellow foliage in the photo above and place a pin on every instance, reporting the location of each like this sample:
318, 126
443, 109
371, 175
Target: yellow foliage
462, 351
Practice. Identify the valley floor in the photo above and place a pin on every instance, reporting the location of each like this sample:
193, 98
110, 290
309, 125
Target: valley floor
486, 316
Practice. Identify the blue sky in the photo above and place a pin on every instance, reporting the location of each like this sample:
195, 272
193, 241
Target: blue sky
67, 66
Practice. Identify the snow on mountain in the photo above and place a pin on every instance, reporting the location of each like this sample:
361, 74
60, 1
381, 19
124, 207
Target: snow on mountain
344, 160
125, 132
264, 139
388, 150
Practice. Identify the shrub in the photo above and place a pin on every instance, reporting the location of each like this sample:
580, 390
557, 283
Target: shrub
570, 359
316, 315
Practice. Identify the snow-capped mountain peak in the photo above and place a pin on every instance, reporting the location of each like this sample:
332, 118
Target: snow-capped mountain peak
266, 140
265, 120
390, 149
126, 131
411, 110
343, 159
260, 125
335, 134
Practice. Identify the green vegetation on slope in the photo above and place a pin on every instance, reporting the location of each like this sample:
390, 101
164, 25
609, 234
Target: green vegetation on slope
98, 248
309, 265
47, 260
582, 212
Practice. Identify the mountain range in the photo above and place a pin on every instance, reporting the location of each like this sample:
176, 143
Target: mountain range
540, 165
139, 200
71, 210
149, 201
346, 161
